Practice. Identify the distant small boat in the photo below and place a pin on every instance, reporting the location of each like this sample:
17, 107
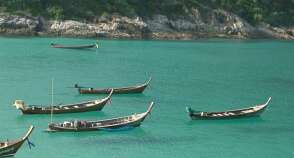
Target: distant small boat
9, 148
134, 120
122, 90
55, 45
251, 111
93, 105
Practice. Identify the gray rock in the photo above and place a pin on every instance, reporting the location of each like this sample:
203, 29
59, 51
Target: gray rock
159, 23
269, 31
115, 26
183, 25
194, 24
18, 25
230, 24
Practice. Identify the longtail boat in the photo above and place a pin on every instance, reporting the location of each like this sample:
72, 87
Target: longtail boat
9, 148
133, 120
122, 90
93, 105
245, 112
55, 45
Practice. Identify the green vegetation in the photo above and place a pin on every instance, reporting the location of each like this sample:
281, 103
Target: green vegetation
275, 12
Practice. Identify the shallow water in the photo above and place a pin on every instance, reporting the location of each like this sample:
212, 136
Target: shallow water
208, 75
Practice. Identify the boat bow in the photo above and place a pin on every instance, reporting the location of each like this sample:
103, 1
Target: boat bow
143, 115
263, 106
29, 132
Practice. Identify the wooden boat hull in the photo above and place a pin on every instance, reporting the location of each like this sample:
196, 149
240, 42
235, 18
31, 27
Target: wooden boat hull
199, 117
53, 128
74, 47
13, 146
231, 114
11, 149
131, 121
124, 90
115, 91
48, 111
95, 105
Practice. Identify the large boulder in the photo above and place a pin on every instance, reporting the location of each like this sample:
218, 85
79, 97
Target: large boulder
159, 23
266, 30
112, 26
71, 28
18, 25
230, 24
121, 26
214, 23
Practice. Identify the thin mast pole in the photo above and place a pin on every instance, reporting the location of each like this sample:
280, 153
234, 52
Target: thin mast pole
52, 98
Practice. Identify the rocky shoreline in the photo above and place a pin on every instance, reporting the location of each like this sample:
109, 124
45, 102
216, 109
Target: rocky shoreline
215, 24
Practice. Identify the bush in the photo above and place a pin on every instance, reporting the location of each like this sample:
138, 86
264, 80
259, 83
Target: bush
55, 12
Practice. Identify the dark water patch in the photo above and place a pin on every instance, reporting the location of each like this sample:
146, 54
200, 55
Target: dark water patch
285, 82
146, 140
263, 129
94, 50
136, 95
126, 128
232, 121
128, 136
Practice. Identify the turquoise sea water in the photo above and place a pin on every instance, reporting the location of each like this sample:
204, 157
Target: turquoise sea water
208, 75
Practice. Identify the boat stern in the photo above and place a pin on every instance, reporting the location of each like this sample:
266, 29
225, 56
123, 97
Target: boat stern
19, 104
189, 110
